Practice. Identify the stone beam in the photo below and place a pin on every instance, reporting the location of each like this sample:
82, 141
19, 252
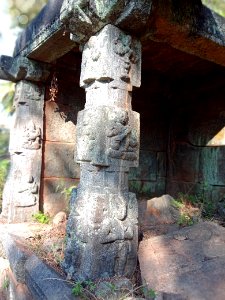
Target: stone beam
102, 230
44, 39
16, 69
186, 25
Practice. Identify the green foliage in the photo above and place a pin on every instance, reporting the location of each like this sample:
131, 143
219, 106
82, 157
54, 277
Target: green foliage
90, 285
78, 289
41, 218
5, 284
185, 220
4, 141
217, 5
177, 203
22, 12
149, 293
4, 167
190, 205
68, 191
8, 90
84, 289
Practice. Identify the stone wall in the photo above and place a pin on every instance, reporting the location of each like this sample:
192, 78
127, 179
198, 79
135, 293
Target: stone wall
181, 121
59, 168
149, 179
196, 152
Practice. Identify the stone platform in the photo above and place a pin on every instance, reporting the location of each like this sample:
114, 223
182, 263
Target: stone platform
188, 263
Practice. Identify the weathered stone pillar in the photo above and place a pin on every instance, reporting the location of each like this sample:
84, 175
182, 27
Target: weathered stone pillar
21, 191
102, 231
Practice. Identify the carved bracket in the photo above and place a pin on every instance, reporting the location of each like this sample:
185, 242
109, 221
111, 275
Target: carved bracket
111, 45
19, 68
83, 18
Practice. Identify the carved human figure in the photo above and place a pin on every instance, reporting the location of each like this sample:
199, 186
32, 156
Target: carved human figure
27, 191
32, 137
123, 142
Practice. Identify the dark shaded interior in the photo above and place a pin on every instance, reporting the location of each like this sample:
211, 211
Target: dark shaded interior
182, 112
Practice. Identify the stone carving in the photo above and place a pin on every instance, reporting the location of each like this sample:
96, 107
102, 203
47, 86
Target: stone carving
32, 137
84, 18
27, 192
21, 192
102, 227
98, 55
123, 140
106, 238
118, 139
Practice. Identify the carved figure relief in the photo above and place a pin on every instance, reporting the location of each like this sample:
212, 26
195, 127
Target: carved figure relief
111, 45
32, 137
103, 227
123, 140
122, 47
86, 137
91, 138
27, 192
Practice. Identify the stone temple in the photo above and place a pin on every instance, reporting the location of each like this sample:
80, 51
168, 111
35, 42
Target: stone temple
125, 100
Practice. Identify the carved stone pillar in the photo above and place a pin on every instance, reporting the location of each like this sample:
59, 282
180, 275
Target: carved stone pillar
102, 231
21, 191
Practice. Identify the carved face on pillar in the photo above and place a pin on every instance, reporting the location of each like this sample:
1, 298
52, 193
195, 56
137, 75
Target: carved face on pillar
111, 56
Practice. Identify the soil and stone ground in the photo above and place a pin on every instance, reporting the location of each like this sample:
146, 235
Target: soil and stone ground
176, 262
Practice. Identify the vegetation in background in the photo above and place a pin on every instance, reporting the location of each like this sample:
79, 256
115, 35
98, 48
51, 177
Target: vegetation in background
41, 218
194, 207
7, 89
4, 166
217, 5
22, 12
4, 143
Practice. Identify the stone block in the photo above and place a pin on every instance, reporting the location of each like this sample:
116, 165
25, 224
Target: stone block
189, 262
161, 164
17, 255
173, 188
55, 195
59, 161
184, 163
148, 188
147, 169
57, 130
210, 132
161, 211
44, 282
211, 166
153, 135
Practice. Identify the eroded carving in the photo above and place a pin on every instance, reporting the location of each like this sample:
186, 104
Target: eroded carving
27, 192
102, 226
83, 18
123, 142
105, 232
111, 45
32, 137
21, 193
117, 139
20, 68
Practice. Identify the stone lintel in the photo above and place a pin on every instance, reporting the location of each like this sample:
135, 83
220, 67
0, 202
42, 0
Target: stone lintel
188, 26
22, 68
85, 18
